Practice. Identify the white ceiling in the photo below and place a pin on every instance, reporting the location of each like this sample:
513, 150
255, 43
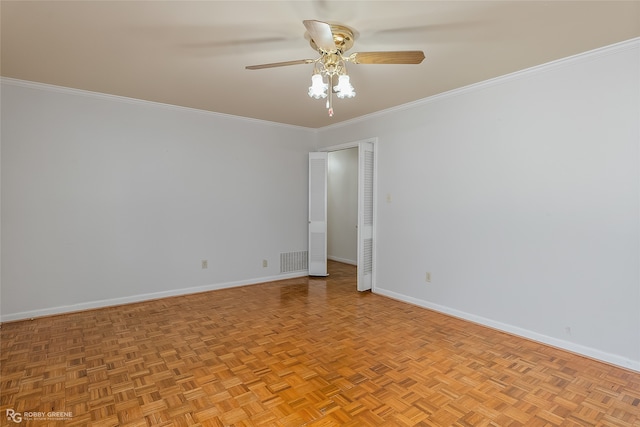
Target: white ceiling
193, 53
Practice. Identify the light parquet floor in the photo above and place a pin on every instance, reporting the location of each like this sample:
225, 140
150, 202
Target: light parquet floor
298, 352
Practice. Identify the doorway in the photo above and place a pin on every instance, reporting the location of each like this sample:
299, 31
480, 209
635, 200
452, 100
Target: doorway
318, 224
342, 206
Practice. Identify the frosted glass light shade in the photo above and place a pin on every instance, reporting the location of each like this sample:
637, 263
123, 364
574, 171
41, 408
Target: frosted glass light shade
343, 88
318, 88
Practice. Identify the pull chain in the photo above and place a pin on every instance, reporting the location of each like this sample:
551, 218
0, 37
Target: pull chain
330, 100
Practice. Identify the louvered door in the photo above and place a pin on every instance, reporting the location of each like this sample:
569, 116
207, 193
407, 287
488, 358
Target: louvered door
365, 215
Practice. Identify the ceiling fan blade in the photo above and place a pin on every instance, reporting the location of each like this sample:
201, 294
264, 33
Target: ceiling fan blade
320, 33
397, 57
280, 64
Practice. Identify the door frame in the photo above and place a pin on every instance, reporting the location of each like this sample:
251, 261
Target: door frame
356, 144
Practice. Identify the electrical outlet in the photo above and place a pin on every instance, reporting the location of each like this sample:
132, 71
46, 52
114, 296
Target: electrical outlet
428, 277
205, 264
264, 263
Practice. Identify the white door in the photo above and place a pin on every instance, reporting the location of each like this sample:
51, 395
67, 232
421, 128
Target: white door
365, 215
318, 214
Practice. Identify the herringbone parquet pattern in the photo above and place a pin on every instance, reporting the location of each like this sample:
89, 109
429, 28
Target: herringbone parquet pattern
299, 352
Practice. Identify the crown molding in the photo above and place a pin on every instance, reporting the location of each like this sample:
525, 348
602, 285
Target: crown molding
588, 55
134, 101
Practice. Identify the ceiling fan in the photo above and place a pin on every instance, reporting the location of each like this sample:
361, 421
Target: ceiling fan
332, 41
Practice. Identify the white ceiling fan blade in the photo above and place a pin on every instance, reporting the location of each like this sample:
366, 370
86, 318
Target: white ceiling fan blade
320, 33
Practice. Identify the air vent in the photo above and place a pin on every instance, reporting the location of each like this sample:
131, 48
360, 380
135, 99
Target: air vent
294, 261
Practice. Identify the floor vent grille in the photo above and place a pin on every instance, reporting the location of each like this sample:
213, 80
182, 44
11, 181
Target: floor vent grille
294, 261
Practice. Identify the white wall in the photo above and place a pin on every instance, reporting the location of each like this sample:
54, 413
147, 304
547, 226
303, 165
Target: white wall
521, 197
107, 200
342, 206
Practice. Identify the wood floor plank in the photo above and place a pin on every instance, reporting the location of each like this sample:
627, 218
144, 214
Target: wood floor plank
298, 352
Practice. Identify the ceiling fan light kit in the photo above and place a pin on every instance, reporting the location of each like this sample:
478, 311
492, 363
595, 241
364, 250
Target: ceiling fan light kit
331, 41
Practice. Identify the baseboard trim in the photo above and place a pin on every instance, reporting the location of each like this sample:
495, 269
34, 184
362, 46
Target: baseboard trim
581, 350
24, 315
342, 260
